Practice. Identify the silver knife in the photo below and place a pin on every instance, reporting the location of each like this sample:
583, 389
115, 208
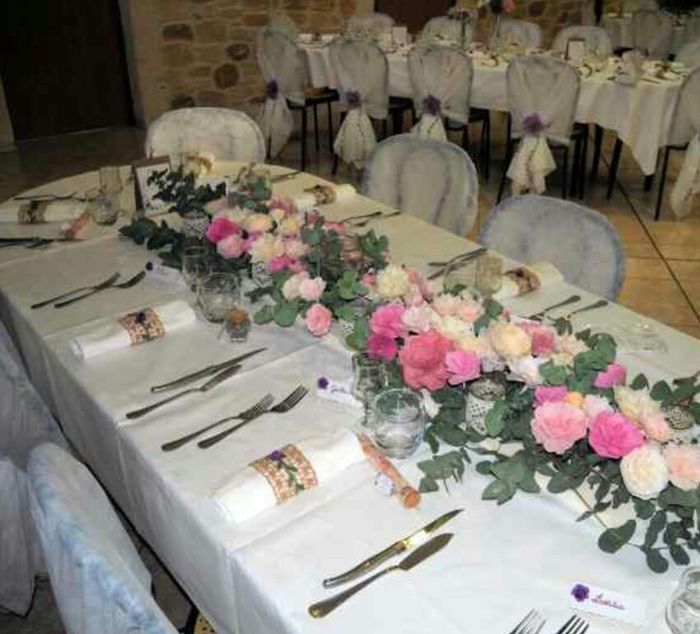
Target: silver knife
414, 539
204, 372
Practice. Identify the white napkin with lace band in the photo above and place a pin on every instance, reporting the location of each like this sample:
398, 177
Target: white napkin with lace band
527, 279
133, 329
38, 212
323, 195
688, 181
532, 162
285, 473
356, 139
275, 119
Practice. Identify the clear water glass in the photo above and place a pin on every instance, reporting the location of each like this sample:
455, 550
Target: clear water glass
111, 180
683, 610
398, 422
368, 379
102, 206
489, 274
195, 265
218, 294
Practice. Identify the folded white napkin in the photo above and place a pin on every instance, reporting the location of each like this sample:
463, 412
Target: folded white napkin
249, 492
54, 211
356, 138
324, 195
113, 336
532, 162
527, 279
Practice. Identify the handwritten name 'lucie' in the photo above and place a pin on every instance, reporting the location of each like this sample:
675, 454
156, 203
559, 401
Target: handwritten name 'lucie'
601, 600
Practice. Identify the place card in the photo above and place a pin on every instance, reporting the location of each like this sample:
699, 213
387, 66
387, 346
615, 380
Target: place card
576, 50
614, 605
145, 192
400, 35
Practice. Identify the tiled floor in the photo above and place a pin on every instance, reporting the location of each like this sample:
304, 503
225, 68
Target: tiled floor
663, 263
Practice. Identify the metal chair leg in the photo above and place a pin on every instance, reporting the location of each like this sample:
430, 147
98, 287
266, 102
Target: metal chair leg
584, 164
565, 172
614, 166
575, 169
597, 147
318, 145
487, 159
330, 126
509, 156
465, 138
662, 183
304, 125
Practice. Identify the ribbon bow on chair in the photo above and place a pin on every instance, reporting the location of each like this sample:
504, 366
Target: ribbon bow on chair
430, 125
356, 139
533, 160
275, 120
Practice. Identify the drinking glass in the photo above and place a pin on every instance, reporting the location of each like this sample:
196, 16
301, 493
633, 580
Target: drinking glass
683, 611
110, 180
398, 422
489, 274
102, 206
368, 379
218, 294
195, 265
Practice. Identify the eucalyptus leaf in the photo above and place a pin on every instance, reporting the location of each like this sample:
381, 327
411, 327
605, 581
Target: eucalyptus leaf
656, 561
612, 539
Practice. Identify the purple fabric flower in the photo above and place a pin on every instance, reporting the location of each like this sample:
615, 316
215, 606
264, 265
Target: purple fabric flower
432, 105
276, 455
533, 125
140, 317
322, 383
580, 592
354, 99
272, 89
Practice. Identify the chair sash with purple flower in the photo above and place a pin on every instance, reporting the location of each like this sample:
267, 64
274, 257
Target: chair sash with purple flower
283, 66
442, 81
542, 98
685, 126
363, 79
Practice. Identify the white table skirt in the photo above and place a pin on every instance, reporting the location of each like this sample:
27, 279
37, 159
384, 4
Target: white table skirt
261, 576
640, 115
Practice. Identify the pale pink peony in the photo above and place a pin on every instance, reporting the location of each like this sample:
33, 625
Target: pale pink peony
386, 321
231, 247
613, 436
544, 338
470, 310
544, 394
380, 347
462, 366
614, 374
318, 320
654, 424
558, 426
221, 228
683, 462
446, 305
311, 290
423, 361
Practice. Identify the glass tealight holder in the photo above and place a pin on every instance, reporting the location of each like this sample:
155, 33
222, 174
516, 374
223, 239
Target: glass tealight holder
238, 325
368, 379
398, 422
683, 610
218, 295
483, 394
195, 265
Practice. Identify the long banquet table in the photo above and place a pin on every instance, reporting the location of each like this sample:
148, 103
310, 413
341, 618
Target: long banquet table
640, 115
259, 577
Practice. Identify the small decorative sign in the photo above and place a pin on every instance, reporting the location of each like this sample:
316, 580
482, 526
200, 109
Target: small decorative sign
576, 50
613, 605
400, 35
145, 191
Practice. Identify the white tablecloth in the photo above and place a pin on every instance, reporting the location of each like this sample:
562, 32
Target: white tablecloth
640, 115
260, 577
619, 29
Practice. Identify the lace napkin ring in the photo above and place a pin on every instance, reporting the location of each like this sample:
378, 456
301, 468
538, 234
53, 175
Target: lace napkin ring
526, 280
323, 194
33, 212
142, 326
287, 471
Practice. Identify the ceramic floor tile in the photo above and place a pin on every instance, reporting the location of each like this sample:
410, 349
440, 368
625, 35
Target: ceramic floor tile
662, 300
647, 269
693, 331
685, 270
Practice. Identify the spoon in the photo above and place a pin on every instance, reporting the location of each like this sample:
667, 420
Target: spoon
601, 303
569, 300
128, 284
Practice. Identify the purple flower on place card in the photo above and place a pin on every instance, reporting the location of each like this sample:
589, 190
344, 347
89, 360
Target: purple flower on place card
354, 99
432, 105
272, 89
140, 317
322, 383
533, 125
276, 455
580, 592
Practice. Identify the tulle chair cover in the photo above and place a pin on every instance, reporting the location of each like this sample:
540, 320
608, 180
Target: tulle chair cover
284, 24
520, 33
433, 180
284, 68
579, 241
685, 128
226, 133
691, 31
25, 422
597, 39
442, 81
652, 33
373, 24
689, 54
542, 97
100, 584
446, 28
363, 78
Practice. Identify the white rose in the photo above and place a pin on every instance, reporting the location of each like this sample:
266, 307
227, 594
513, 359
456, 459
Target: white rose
258, 223
291, 288
452, 327
527, 370
635, 403
644, 472
392, 282
266, 247
446, 304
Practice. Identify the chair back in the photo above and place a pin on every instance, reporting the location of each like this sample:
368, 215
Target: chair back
433, 180
100, 584
691, 30
518, 33
228, 134
444, 27
445, 74
579, 241
689, 54
281, 22
686, 114
372, 24
652, 33
546, 87
597, 39
362, 67
283, 62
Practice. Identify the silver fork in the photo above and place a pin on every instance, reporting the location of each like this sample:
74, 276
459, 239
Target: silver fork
128, 284
282, 407
575, 625
531, 624
251, 412
601, 303
108, 282
364, 223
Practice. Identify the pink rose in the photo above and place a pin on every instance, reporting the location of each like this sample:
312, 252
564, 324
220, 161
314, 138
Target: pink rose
295, 249
318, 320
423, 361
282, 263
557, 426
338, 227
368, 280
312, 289
683, 462
653, 423
544, 338
614, 374
545, 394
470, 310
386, 321
221, 228
380, 347
462, 366
419, 282
613, 436
231, 247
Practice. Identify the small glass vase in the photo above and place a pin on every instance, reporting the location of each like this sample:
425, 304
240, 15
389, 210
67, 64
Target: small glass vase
195, 225
218, 295
683, 610
369, 378
483, 394
398, 422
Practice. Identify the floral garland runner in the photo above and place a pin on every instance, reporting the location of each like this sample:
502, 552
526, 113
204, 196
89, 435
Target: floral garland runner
569, 416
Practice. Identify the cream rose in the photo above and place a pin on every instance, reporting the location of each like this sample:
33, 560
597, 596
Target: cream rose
447, 305
644, 472
258, 223
266, 247
452, 327
277, 214
290, 226
510, 341
291, 288
392, 282
683, 466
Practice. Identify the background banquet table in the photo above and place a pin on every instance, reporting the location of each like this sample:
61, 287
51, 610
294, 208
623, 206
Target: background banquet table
619, 29
261, 576
640, 115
